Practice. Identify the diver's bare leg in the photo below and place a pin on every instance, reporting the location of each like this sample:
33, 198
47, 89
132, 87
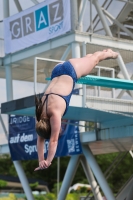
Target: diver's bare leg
83, 66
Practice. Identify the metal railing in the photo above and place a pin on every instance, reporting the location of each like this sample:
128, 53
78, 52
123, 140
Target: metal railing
35, 69
97, 89
112, 76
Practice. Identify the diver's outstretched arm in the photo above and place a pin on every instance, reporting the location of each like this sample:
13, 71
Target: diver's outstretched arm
55, 122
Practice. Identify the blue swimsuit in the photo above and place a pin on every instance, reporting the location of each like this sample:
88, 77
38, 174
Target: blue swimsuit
65, 68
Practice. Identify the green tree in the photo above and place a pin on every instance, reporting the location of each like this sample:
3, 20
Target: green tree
120, 175
6, 166
3, 183
72, 196
33, 185
54, 189
51, 196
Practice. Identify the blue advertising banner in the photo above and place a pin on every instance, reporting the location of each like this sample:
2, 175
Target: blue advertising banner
23, 138
69, 142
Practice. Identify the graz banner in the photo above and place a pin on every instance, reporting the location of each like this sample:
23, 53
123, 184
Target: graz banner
23, 139
37, 24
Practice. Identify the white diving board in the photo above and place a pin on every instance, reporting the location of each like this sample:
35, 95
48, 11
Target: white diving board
105, 82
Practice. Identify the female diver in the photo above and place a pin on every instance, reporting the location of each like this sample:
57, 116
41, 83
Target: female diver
55, 101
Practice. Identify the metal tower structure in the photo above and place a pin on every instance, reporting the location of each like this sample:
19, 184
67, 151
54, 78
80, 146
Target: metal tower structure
100, 30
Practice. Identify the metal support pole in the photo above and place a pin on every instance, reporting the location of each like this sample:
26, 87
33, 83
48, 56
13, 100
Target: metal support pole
131, 153
84, 96
124, 70
108, 32
80, 7
122, 67
91, 21
130, 194
17, 164
4, 127
102, 17
74, 14
81, 14
76, 54
98, 73
23, 179
91, 179
95, 91
18, 5
6, 12
84, 49
9, 90
121, 94
113, 89
97, 172
69, 175
66, 53
118, 23
75, 50
74, 161
123, 91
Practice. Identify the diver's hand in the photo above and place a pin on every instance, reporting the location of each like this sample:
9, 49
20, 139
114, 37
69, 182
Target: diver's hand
42, 165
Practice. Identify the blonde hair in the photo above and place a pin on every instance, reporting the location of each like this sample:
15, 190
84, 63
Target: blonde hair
43, 127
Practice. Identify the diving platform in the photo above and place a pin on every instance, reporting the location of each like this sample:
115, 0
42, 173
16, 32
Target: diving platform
105, 82
26, 106
113, 134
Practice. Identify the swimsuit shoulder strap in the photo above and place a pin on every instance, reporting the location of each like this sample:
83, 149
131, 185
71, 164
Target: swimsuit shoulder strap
46, 99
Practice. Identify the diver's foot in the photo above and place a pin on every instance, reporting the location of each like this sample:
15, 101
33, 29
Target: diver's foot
112, 54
